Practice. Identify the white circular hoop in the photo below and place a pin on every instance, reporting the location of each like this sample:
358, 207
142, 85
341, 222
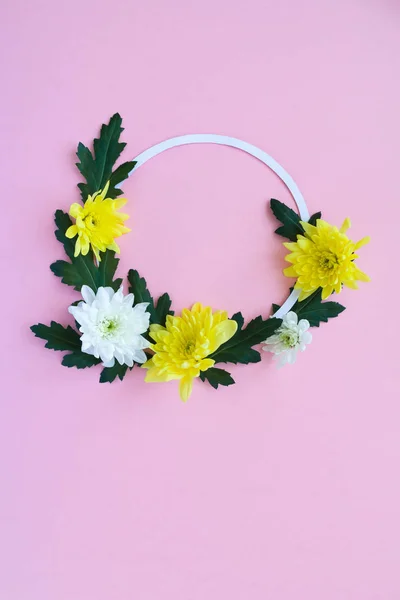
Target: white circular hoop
224, 140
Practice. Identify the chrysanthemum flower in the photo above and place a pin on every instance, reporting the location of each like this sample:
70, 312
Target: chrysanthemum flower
182, 346
97, 223
111, 326
288, 339
324, 258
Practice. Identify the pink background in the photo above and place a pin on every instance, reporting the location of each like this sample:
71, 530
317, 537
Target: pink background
285, 486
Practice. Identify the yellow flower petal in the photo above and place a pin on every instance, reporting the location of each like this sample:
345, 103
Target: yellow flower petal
309, 229
75, 210
290, 272
345, 225
71, 232
365, 240
326, 292
185, 387
77, 247
206, 363
119, 203
223, 332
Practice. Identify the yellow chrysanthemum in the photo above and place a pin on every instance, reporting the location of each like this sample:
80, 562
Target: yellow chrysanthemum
182, 346
97, 223
324, 258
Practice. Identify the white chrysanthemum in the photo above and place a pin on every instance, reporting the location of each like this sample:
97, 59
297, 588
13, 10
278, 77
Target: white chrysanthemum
111, 326
289, 338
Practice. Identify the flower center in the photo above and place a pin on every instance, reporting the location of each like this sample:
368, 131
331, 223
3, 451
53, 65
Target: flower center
189, 347
91, 220
107, 327
290, 338
328, 260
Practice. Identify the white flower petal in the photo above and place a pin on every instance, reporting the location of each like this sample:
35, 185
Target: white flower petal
88, 294
306, 337
109, 363
139, 356
303, 325
290, 318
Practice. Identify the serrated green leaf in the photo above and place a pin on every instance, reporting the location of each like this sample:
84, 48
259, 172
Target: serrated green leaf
80, 360
57, 336
106, 271
290, 220
108, 374
118, 176
313, 219
97, 168
138, 287
315, 310
63, 221
82, 270
162, 309
216, 377
239, 348
238, 317
86, 166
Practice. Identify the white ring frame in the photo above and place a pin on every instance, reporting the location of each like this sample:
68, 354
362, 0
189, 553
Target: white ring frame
224, 140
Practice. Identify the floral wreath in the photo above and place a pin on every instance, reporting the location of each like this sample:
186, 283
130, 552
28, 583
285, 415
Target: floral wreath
120, 330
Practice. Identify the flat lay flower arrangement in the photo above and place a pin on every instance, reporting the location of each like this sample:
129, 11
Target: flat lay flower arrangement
119, 331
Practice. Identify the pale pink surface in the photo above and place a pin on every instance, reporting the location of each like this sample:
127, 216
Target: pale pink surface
285, 486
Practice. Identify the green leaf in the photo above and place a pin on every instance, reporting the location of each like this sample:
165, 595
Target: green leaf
118, 176
108, 374
316, 311
275, 307
313, 219
216, 377
290, 220
239, 348
96, 168
57, 336
106, 270
63, 221
238, 317
162, 309
138, 287
86, 167
80, 360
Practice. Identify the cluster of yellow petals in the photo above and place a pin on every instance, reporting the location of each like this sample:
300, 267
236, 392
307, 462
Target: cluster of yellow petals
97, 223
181, 347
324, 258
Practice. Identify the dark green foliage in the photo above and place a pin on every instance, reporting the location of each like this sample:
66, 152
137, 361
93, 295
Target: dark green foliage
239, 348
97, 167
314, 218
315, 310
162, 309
216, 377
138, 287
118, 176
106, 271
108, 374
291, 222
57, 336
80, 360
